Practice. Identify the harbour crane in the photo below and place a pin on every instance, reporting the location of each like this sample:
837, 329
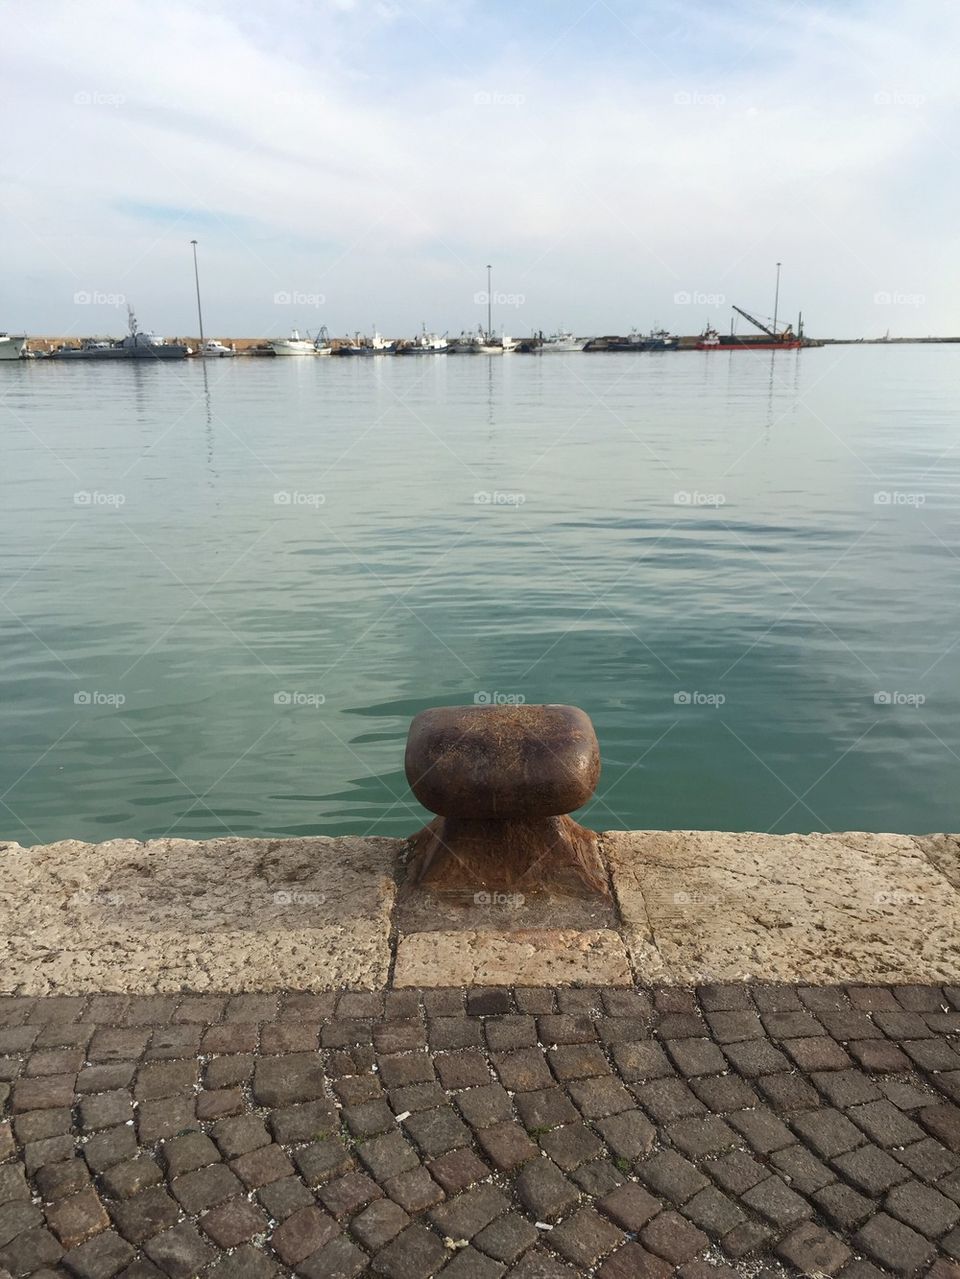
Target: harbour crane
770, 332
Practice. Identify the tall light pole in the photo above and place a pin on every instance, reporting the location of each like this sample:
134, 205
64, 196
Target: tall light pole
489, 304
196, 277
776, 299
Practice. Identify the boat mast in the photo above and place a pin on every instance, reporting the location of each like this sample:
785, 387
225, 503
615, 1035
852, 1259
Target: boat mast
489, 303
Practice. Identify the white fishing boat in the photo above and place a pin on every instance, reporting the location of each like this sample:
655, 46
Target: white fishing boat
214, 350
12, 345
379, 345
296, 345
562, 341
425, 344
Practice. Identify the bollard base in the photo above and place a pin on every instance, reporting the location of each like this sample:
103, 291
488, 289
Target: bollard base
458, 857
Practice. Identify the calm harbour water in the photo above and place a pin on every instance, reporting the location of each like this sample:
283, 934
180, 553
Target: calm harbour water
281, 561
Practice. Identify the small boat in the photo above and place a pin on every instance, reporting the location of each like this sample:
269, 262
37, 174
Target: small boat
296, 345
212, 349
12, 345
655, 340
561, 342
377, 345
425, 344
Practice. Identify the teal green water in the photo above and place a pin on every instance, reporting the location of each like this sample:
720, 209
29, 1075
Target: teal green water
690, 546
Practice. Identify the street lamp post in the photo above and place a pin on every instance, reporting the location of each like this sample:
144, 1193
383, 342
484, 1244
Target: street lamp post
776, 299
196, 277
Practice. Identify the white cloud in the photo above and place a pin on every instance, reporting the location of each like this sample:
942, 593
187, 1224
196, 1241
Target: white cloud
602, 170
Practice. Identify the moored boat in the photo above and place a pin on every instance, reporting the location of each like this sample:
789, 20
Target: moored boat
425, 344
12, 345
296, 345
560, 342
214, 350
139, 344
655, 340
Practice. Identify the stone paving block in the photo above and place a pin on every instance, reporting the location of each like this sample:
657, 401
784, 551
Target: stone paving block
713, 1211
238, 1136
180, 1252
467, 1069
281, 1198
630, 1206
671, 1176
457, 1170
548, 1108
523, 1071
205, 1188
585, 1237
571, 1146
724, 1093
434, 1132
801, 1169
347, 1195
871, 1170
599, 1097
671, 1236
100, 1257
302, 1234
36, 1154
111, 1147
893, 1245
787, 1091
185, 1154
813, 1250
736, 1172
414, 1191
545, 1191
632, 1262
58, 1180
307, 1121
885, 1123
696, 1056
145, 1215
668, 1099
641, 1061
843, 1206
928, 1159
378, 1223
567, 1028
827, 1131
321, 1161
506, 1145
280, 1081
34, 1248
598, 1178
755, 1058
130, 1177
507, 1237
158, 1120
261, 1166
942, 1122
777, 1203
417, 1251
923, 1208
467, 1214
482, 1107
762, 1130
700, 1137
77, 1217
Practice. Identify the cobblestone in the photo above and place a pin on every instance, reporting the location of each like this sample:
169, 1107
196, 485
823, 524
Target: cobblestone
815, 1127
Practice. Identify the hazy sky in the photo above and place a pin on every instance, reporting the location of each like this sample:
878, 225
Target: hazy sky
351, 163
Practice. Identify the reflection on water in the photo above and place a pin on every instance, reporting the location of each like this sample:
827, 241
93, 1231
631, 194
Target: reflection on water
728, 559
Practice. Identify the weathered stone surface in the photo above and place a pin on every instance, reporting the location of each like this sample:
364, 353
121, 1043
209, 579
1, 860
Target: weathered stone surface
311, 914
500, 958
846, 907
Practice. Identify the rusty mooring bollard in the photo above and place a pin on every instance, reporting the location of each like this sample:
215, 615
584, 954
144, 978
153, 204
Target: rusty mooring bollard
503, 780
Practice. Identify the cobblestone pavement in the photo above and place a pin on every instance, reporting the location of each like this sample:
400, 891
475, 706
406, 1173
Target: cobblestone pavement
733, 1130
